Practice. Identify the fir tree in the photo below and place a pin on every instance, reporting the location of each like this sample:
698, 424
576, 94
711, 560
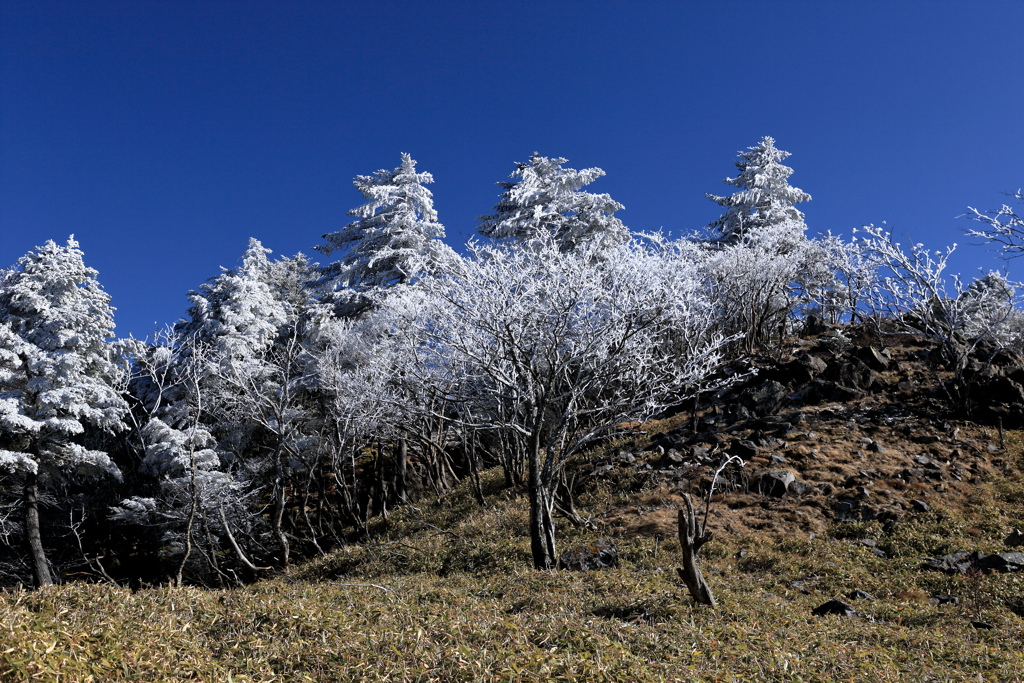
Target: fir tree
765, 198
547, 198
396, 235
58, 375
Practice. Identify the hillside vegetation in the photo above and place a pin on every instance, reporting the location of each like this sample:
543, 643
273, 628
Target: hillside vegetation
443, 589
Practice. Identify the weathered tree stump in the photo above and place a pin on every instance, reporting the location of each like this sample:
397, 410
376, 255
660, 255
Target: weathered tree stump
693, 535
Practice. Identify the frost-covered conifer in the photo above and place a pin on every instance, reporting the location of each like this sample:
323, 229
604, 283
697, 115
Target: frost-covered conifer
58, 374
547, 198
238, 311
765, 198
396, 235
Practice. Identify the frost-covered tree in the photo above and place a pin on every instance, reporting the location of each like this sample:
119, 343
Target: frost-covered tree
395, 238
765, 197
59, 374
1005, 227
557, 347
209, 391
755, 281
238, 312
913, 292
548, 199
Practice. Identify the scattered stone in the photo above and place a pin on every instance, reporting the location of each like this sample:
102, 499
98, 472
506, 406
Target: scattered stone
1015, 539
801, 584
741, 554
858, 594
805, 368
962, 561
1002, 563
745, 449
800, 488
982, 624
672, 458
943, 599
844, 510
873, 358
869, 542
839, 607
876, 447
601, 554
766, 398
775, 483
919, 506
954, 563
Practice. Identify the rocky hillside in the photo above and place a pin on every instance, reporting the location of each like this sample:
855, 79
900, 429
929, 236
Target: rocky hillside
855, 430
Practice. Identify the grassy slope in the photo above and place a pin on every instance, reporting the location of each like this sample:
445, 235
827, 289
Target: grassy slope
461, 604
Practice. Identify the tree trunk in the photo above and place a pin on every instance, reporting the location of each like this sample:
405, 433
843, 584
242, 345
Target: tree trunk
402, 471
279, 506
691, 538
40, 568
542, 526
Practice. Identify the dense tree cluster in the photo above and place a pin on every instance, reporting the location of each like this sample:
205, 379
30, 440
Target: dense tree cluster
296, 401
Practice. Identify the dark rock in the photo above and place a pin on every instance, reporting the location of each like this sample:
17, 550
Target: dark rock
982, 624
1002, 562
954, 563
601, 554
778, 459
800, 488
745, 449
858, 594
839, 607
844, 510
805, 368
775, 483
671, 459
873, 358
943, 599
1005, 390
1015, 539
766, 398
876, 447
855, 375
919, 506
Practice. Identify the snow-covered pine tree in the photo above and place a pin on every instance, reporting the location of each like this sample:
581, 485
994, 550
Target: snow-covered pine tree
396, 235
765, 198
238, 311
547, 198
58, 374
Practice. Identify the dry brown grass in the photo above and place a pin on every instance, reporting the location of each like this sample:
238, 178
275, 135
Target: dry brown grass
461, 605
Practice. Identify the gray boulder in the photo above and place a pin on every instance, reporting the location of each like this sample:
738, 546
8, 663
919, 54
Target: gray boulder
601, 554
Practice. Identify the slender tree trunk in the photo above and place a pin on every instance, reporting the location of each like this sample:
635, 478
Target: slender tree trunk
279, 505
542, 526
40, 568
401, 471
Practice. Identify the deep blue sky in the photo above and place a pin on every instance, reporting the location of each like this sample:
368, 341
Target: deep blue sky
165, 134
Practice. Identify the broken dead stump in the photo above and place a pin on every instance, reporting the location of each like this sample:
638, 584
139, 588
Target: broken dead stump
693, 535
